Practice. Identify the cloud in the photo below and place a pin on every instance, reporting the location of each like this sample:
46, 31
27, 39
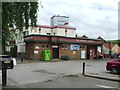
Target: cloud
92, 18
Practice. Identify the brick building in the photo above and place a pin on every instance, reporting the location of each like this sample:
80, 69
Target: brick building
61, 39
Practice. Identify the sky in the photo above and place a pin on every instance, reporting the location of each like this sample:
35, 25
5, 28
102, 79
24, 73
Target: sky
92, 18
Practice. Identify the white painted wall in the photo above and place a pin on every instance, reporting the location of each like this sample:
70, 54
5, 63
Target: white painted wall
54, 31
44, 31
59, 20
60, 32
71, 33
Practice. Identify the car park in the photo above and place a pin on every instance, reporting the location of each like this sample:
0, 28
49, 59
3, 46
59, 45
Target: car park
6, 61
113, 66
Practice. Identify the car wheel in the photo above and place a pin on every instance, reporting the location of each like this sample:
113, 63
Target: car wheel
114, 70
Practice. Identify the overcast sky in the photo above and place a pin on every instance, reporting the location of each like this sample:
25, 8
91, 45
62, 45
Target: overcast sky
92, 18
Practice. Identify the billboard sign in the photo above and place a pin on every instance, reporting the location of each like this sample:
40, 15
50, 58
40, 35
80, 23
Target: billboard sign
74, 47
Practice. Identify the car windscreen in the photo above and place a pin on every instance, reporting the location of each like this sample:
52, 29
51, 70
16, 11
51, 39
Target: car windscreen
6, 57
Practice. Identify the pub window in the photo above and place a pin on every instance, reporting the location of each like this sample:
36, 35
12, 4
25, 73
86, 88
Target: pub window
48, 33
62, 47
65, 47
43, 46
47, 46
35, 30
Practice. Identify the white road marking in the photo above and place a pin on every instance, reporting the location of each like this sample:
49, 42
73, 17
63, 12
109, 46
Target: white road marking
103, 86
0, 74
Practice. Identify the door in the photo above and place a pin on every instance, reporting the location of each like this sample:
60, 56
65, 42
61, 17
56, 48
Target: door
83, 54
55, 53
92, 53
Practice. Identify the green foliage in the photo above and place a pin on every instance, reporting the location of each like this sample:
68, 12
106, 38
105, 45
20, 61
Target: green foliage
115, 42
13, 52
17, 15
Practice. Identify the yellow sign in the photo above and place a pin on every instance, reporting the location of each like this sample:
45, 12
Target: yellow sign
74, 52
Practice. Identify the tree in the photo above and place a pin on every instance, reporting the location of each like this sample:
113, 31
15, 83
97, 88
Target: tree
115, 42
17, 15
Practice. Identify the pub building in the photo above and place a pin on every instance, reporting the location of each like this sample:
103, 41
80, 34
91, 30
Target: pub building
61, 41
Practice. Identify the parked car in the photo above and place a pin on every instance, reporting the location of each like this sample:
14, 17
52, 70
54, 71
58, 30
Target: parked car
113, 66
6, 61
14, 61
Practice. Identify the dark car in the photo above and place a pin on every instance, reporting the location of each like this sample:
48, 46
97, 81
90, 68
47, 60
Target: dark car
113, 66
6, 61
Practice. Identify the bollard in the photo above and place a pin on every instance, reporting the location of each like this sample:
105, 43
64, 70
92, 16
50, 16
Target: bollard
83, 68
4, 77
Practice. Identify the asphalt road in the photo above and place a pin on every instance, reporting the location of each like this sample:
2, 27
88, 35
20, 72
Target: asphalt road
73, 82
32, 74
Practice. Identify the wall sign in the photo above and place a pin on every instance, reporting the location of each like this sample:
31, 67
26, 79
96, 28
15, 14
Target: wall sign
83, 54
74, 47
35, 52
74, 52
54, 46
37, 47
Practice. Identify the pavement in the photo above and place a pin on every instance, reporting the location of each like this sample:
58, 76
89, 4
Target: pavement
88, 71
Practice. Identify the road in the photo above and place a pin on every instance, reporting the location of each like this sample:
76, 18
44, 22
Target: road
73, 82
31, 74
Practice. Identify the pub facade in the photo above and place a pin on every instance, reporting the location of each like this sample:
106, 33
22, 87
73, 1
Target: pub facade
61, 41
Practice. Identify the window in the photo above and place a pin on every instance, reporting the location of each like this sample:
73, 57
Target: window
62, 47
66, 32
35, 30
25, 33
48, 33
39, 30
47, 46
43, 46
65, 47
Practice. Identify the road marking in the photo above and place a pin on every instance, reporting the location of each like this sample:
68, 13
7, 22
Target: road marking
0, 74
103, 86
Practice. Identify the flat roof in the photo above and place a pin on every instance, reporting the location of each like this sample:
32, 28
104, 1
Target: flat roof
65, 37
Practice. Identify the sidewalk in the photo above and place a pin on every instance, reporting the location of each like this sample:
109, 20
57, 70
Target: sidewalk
19, 61
25, 61
104, 77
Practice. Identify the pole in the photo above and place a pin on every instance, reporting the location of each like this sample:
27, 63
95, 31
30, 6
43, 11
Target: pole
21, 58
4, 77
83, 68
